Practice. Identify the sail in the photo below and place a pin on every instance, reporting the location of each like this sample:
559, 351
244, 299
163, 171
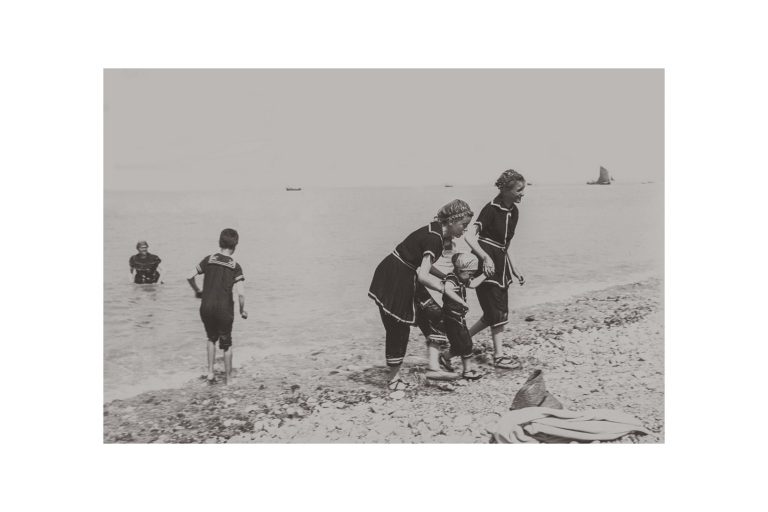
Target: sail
604, 179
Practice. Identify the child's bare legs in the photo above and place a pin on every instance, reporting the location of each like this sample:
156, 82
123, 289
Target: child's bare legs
433, 356
211, 358
466, 364
227, 364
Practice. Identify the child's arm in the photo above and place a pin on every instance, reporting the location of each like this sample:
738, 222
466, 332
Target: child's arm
193, 283
240, 288
515, 271
488, 267
477, 281
450, 291
424, 277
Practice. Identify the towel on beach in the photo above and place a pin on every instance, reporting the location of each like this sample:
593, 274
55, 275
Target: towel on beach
548, 425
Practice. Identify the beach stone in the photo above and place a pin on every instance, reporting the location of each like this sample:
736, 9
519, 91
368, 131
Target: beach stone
462, 420
435, 427
403, 434
386, 427
444, 386
287, 431
373, 436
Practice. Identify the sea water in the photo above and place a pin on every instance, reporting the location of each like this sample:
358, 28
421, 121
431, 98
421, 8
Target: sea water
308, 258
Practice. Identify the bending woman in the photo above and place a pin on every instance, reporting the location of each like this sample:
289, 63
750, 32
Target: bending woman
494, 229
395, 281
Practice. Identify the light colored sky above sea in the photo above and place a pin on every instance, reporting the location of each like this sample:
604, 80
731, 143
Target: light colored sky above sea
231, 129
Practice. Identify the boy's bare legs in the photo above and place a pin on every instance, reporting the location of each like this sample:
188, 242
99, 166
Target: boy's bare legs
211, 358
227, 365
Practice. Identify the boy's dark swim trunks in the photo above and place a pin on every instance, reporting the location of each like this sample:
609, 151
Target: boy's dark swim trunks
218, 326
217, 307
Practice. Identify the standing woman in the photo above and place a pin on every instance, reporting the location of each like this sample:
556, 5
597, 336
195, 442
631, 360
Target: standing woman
395, 281
494, 229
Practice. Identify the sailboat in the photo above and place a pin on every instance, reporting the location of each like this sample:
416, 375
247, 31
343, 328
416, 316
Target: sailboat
603, 179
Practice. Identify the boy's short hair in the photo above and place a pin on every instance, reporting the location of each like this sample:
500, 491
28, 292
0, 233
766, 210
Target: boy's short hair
228, 239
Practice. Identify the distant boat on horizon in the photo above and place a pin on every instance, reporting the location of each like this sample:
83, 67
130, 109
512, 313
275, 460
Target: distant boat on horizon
603, 179
447, 185
292, 189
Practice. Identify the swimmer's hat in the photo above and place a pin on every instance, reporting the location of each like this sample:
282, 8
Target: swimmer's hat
141, 243
464, 261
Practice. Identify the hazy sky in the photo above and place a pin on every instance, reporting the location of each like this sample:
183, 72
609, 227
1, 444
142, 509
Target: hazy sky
223, 129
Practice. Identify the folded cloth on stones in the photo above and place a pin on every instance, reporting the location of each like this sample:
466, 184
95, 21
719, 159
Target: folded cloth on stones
547, 425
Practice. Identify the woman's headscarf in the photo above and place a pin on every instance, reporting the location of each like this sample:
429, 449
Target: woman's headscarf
509, 177
453, 211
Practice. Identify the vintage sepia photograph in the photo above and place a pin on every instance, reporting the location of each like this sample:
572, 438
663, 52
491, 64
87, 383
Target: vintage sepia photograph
384, 256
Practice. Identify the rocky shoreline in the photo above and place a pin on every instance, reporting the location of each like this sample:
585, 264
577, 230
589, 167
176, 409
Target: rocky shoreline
603, 349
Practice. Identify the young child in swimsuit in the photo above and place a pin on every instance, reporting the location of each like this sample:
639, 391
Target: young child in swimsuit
455, 308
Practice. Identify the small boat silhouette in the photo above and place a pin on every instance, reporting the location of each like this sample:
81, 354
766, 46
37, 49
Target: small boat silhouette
604, 179
292, 189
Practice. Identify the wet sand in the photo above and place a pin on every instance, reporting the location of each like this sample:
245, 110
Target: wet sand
603, 349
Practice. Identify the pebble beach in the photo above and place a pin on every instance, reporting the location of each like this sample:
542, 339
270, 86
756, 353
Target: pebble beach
598, 350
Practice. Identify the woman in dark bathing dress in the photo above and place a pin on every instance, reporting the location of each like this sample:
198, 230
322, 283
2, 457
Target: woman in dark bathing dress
398, 280
494, 229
